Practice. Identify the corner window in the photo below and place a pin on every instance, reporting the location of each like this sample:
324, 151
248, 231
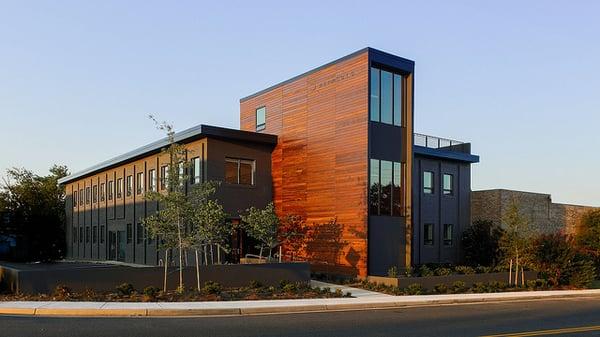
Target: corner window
385, 190
119, 187
374, 95
386, 97
397, 100
428, 182
196, 171
448, 184
102, 191
448, 234
129, 185
140, 183
374, 187
239, 171
397, 189
152, 180
428, 234
261, 118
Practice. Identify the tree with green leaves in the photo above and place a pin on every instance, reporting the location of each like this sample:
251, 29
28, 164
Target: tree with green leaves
36, 208
169, 222
292, 234
516, 242
588, 235
262, 225
208, 225
481, 243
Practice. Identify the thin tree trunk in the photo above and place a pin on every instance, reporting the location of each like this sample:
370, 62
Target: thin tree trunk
212, 254
205, 256
218, 253
522, 276
180, 254
280, 250
197, 269
510, 273
517, 270
260, 254
165, 263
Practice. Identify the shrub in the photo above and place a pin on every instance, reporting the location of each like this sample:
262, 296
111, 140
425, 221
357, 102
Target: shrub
414, 289
479, 287
442, 271
409, 272
211, 287
425, 271
292, 288
151, 291
481, 243
255, 284
581, 273
483, 269
339, 293
588, 237
459, 287
125, 289
393, 272
283, 283
465, 270
440, 288
62, 291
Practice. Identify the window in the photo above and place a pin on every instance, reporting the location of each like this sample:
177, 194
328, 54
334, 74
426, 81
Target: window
448, 184
239, 171
94, 234
164, 177
74, 234
448, 234
102, 234
95, 194
129, 188
74, 198
119, 187
261, 118
81, 196
181, 173
102, 191
87, 235
385, 188
386, 97
80, 234
375, 94
111, 190
139, 183
152, 178
129, 233
428, 182
428, 234
139, 233
87, 195
196, 171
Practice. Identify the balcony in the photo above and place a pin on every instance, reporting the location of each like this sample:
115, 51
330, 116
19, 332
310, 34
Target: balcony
443, 147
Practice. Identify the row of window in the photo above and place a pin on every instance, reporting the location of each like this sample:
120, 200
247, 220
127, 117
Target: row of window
385, 187
429, 183
447, 234
91, 234
386, 97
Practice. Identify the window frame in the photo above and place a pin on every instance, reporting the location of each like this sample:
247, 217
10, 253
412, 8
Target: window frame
426, 240
129, 185
88, 193
196, 172
164, 177
446, 191
110, 189
239, 162
263, 125
152, 180
119, 187
376, 96
129, 233
102, 191
139, 235
101, 235
448, 241
95, 194
75, 196
139, 183
429, 189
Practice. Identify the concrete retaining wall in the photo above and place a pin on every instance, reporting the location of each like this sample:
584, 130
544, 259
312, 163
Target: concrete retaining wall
429, 282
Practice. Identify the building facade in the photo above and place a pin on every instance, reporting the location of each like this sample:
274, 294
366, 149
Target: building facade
337, 147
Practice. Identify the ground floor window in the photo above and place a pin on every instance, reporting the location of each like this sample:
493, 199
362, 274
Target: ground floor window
448, 234
428, 234
385, 192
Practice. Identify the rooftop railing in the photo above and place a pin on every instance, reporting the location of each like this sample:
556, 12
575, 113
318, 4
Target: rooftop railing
434, 142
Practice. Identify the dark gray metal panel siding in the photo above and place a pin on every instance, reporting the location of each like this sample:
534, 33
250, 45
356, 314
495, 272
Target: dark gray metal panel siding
386, 244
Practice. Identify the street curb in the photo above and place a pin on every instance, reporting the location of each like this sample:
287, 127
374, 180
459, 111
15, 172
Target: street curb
388, 302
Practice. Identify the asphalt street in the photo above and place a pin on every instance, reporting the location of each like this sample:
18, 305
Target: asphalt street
568, 317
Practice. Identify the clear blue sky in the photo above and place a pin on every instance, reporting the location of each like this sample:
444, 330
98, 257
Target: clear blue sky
518, 79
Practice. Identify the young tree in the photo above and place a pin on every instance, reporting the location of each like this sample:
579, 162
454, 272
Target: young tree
208, 225
517, 238
262, 225
481, 243
292, 233
170, 220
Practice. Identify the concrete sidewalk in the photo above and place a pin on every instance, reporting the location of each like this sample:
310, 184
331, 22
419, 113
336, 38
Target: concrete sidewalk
366, 302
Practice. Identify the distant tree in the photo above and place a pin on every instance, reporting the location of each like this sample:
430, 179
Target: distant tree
481, 243
516, 242
588, 236
169, 222
292, 234
36, 205
262, 225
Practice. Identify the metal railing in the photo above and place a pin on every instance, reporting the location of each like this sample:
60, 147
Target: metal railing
434, 142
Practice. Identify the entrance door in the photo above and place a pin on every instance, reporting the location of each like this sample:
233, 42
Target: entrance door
116, 245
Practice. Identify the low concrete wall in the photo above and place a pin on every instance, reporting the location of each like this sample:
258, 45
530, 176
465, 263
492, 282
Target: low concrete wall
106, 278
429, 282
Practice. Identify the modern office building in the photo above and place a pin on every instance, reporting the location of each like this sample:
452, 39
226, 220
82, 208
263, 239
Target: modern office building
335, 143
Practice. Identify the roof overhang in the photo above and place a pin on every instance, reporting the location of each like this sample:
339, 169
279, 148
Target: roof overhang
445, 154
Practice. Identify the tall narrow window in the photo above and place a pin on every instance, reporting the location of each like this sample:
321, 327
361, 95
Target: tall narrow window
140, 183
119, 187
129, 233
385, 204
74, 234
87, 195
397, 100
164, 177
81, 196
102, 234
261, 118
428, 234
181, 173
80, 234
375, 94
374, 187
397, 190
428, 182
74, 198
139, 233
448, 234
195, 171
386, 97
95, 194
129, 185
239, 171
152, 180
111, 190
102, 191
448, 184
87, 235
95, 234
